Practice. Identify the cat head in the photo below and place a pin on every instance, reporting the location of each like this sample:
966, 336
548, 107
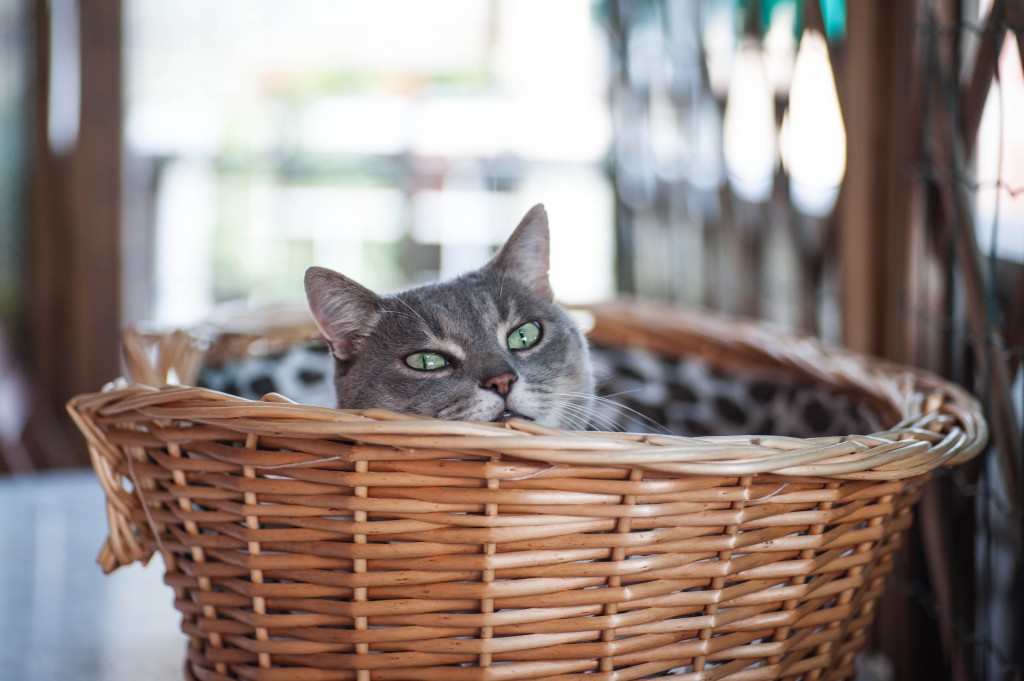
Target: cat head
486, 346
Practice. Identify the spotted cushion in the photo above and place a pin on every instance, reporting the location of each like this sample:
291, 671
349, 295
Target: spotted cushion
688, 397
302, 373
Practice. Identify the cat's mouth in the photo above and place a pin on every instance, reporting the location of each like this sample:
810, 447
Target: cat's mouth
508, 414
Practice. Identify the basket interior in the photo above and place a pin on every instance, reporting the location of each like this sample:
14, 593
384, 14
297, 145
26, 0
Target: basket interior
639, 390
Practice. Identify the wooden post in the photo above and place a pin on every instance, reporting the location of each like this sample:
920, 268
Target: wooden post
873, 221
74, 287
869, 85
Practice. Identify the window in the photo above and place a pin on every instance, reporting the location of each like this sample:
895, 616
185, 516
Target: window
394, 141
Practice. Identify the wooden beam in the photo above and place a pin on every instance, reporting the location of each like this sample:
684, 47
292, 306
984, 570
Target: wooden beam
75, 288
869, 87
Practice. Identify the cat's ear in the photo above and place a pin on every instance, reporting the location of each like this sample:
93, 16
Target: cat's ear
344, 311
525, 255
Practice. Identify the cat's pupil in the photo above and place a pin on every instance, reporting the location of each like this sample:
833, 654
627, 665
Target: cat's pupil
526, 336
426, 361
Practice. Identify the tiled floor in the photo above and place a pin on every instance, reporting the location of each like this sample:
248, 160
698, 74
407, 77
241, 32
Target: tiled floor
61, 619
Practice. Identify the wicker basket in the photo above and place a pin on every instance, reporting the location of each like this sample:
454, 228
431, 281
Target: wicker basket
311, 544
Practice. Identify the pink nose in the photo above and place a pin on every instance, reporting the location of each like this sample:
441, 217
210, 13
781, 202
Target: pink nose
501, 383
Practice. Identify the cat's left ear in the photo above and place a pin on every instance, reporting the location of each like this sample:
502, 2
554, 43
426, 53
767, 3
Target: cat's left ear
345, 311
526, 254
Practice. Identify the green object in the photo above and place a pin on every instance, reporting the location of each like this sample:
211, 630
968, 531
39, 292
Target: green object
834, 15
14, 158
426, 361
525, 337
768, 15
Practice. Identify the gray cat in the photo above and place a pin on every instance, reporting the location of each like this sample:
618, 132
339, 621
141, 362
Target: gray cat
487, 346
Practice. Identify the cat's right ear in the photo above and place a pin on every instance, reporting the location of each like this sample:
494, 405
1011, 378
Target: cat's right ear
344, 311
525, 256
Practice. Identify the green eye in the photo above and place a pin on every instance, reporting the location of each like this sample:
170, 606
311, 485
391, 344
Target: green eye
426, 361
526, 336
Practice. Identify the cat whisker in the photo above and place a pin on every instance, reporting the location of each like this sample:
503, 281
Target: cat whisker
596, 417
501, 282
606, 422
567, 415
629, 413
621, 392
577, 423
415, 315
588, 417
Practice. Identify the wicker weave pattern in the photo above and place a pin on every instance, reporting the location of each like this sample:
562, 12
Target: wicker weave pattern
316, 544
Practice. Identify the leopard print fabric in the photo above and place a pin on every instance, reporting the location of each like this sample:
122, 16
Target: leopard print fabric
688, 397
639, 390
301, 373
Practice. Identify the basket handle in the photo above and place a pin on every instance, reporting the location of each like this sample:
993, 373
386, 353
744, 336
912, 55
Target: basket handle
156, 359
123, 544
137, 355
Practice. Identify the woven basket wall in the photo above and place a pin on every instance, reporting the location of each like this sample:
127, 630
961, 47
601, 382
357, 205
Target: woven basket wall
311, 544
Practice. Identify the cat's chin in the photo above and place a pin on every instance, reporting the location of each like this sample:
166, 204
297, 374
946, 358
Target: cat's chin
507, 415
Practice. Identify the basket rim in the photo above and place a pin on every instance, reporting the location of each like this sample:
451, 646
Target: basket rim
937, 423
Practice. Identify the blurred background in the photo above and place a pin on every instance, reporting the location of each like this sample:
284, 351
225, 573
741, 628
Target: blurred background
851, 170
